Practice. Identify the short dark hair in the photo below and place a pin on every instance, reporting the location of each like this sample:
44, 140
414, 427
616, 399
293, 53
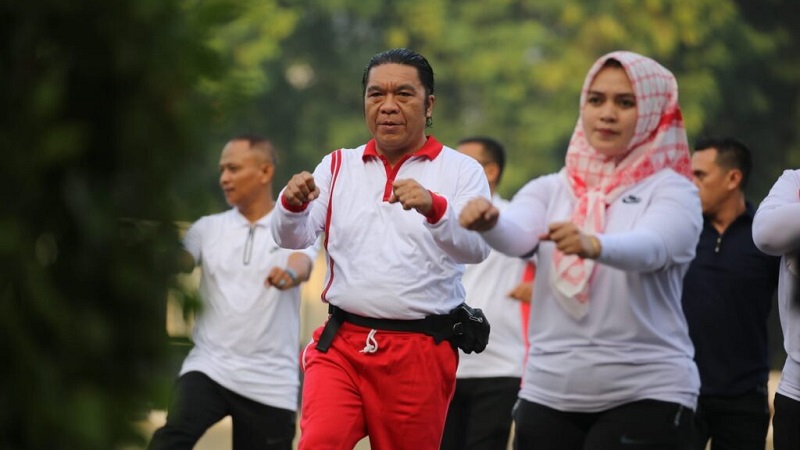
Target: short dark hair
402, 56
731, 154
260, 144
492, 148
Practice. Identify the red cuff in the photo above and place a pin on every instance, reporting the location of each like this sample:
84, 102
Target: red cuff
438, 207
293, 208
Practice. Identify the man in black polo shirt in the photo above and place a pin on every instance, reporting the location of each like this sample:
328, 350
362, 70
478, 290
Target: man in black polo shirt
727, 296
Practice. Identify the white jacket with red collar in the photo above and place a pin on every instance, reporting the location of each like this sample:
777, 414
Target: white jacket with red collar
384, 261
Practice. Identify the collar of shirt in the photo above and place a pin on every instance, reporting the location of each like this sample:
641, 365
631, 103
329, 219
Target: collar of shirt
430, 150
239, 219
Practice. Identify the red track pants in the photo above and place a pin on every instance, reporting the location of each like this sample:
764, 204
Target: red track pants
397, 394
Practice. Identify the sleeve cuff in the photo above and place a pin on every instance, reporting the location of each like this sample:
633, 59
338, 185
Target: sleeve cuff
293, 208
438, 207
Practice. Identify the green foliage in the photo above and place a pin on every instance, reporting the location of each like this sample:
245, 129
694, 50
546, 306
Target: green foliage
100, 112
513, 70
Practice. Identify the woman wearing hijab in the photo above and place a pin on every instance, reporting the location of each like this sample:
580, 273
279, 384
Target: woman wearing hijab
610, 363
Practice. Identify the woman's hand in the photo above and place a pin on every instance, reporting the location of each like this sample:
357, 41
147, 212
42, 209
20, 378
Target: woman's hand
570, 240
479, 215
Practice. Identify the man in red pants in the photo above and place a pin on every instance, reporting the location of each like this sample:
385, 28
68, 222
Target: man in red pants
382, 366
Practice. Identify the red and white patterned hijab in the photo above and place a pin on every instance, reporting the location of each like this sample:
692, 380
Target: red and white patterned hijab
659, 142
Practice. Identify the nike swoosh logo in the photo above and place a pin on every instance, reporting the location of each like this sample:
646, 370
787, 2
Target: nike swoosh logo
631, 199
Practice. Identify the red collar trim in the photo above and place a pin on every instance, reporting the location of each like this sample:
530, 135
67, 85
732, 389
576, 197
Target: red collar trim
430, 150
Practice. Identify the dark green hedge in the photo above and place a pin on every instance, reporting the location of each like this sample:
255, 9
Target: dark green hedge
98, 117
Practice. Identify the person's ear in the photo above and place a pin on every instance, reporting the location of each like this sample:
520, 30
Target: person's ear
735, 179
492, 172
267, 172
429, 106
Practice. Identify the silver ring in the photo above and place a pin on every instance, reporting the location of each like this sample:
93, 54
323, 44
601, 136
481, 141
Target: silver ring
281, 283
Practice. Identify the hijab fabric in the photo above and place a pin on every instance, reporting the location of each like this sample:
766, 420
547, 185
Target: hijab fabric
659, 142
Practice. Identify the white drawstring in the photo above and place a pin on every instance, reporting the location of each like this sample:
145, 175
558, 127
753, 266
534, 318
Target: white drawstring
372, 344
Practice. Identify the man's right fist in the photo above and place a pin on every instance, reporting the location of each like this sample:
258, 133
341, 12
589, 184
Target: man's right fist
300, 189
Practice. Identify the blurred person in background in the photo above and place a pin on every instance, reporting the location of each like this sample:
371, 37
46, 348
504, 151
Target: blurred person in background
776, 231
727, 296
244, 362
479, 417
610, 363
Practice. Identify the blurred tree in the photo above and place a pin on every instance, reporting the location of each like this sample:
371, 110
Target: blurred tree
758, 94
513, 69
100, 113
247, 37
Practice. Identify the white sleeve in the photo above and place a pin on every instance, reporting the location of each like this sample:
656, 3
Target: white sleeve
464, 246
667, 233
523, 220
193, 239
776, 226
299, 230
312, 251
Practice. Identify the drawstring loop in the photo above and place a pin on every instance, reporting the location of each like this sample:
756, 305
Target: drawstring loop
372, 344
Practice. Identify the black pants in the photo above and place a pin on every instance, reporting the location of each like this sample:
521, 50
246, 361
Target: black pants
479, 416
642, 425
199, 403
732, 423
786, 423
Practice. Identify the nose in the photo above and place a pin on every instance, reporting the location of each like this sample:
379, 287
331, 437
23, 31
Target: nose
224, 177
389, 105
608, 112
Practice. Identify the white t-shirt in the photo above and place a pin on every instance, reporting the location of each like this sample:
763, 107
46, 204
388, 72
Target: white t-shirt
246, 336
487, 285
384, 261
633, 343
776, 231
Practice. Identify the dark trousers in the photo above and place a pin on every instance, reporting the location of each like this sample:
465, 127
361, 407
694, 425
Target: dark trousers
786, 423
479, 416
732, 423
199, 402
641, 425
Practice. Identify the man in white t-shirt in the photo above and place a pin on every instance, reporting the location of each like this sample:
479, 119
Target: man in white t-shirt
487, 384
244, 361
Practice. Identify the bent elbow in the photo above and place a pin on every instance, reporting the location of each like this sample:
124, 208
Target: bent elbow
768, 246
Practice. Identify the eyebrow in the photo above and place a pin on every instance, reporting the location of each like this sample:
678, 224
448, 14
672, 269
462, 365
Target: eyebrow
623, 94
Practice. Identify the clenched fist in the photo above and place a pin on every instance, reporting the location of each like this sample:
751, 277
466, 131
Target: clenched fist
479, 215
411, 194
301, 189
570, 240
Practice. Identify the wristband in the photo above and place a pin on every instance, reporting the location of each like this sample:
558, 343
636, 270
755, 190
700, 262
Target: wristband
292, 274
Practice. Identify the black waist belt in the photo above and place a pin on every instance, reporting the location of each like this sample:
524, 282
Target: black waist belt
440, 327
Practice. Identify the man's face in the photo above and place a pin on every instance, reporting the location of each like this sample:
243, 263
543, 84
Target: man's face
243, 173
395, 108
714, 182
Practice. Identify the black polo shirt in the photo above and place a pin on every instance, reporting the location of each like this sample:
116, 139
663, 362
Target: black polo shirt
727, 295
